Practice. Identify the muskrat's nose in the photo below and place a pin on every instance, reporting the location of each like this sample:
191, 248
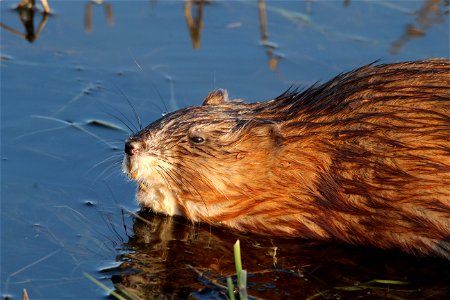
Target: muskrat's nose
133, 147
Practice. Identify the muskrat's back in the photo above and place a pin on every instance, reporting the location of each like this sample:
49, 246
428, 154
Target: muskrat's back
363, 158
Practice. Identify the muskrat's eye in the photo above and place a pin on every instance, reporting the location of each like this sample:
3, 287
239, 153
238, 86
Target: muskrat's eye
197, 139
196, 135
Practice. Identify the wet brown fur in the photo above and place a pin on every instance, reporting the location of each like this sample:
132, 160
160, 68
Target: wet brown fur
363, 158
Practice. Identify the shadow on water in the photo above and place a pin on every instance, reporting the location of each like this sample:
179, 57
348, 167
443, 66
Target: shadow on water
65, 73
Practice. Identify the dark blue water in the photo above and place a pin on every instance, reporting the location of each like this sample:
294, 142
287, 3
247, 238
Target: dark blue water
64, 202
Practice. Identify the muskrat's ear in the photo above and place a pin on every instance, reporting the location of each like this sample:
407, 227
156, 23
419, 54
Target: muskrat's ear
216, 97
262, 129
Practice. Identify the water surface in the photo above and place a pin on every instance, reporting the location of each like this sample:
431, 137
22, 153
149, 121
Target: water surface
67, 210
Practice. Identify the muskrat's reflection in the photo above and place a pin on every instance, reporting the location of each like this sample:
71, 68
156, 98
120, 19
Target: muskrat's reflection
171, 257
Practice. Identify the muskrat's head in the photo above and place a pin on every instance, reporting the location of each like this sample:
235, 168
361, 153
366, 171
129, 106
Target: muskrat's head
193, 160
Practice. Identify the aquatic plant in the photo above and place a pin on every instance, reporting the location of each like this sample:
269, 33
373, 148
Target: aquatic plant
241, 275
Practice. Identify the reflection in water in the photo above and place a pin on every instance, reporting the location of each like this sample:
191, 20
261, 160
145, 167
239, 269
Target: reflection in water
431, 13
273, 59
269, 46
88, 14
263, 19
26, 10
31, 4
171, 257
195, 25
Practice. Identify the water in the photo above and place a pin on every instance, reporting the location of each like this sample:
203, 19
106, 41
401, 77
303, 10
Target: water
67, 210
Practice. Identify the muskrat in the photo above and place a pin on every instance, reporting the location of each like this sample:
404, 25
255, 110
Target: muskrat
363, 158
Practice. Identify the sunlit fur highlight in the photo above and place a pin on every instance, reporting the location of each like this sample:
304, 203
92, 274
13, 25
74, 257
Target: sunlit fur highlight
363, 158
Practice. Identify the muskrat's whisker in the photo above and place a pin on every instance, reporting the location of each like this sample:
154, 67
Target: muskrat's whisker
38, 132
92, 134
131, 131
174, 174
184, 181
176, 178
153, 86
130, 125
195, 174
122, 208
115, 142
164, 172
116, 164
114, 156
74, 125
80, 217
115, 145
44, 153
169, 78
176, 168
86, 90
111, 142
136, 115
109, 223
160, 97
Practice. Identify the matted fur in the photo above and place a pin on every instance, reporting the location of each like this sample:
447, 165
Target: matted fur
363, 158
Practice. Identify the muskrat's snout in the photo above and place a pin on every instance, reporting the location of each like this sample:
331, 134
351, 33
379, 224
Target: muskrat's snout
133, 147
